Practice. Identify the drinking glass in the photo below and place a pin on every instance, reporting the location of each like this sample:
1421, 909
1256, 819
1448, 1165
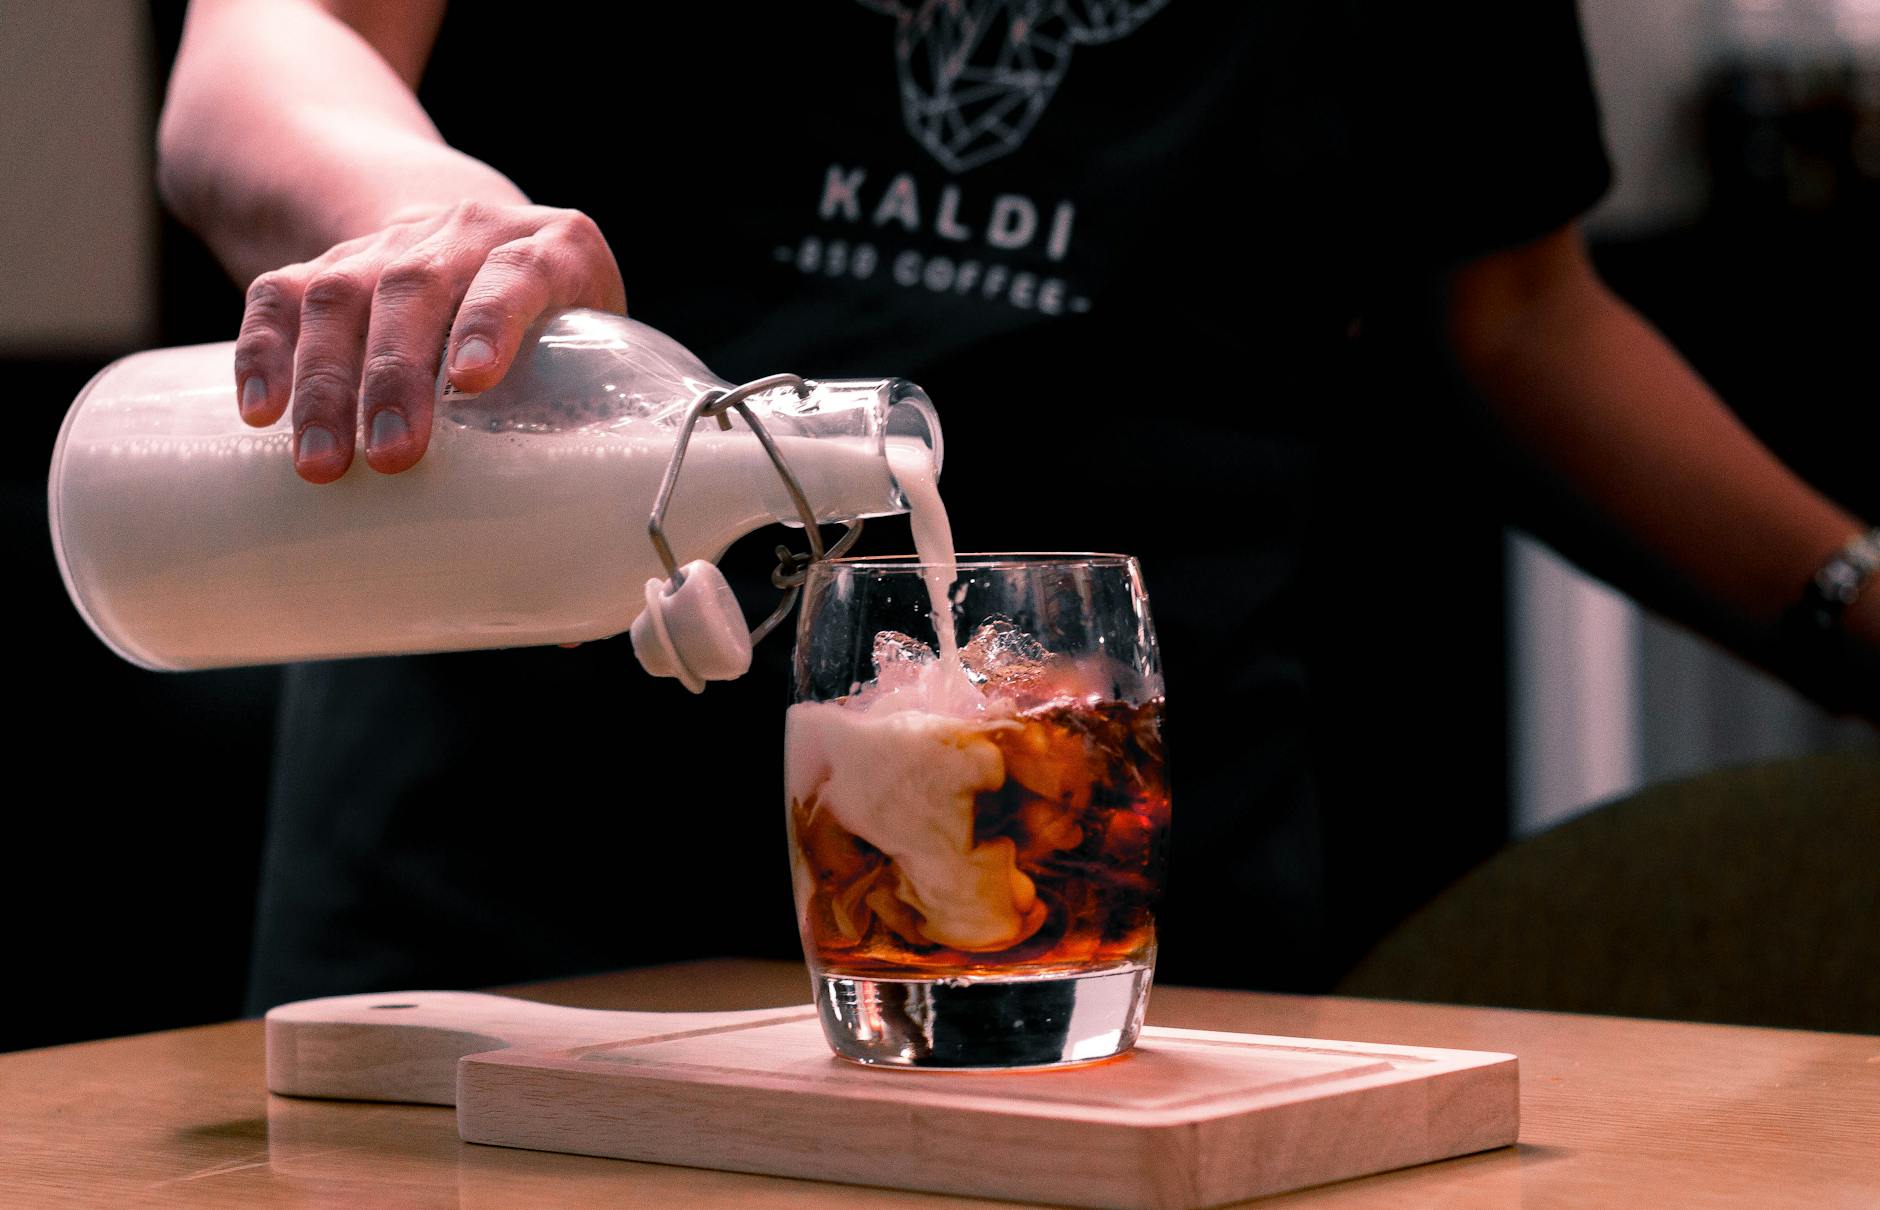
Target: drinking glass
977, 839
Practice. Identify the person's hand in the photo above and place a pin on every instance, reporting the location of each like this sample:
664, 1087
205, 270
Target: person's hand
367, 321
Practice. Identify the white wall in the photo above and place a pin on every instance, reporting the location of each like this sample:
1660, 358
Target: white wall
1649, 58
77, 250
1575, 714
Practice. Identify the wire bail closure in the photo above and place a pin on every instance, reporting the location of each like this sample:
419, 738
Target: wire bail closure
792, 568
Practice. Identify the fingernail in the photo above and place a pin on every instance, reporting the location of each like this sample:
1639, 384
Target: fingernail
388, 429
254, 394
316, 443
473, 354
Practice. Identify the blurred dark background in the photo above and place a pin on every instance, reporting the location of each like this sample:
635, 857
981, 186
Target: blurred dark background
1746, 138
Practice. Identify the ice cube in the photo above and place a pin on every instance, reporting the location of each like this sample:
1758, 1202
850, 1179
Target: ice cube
1003, 659
900, 660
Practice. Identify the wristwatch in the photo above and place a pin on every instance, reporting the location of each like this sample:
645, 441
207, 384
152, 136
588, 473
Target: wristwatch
1817, 657
1839, 582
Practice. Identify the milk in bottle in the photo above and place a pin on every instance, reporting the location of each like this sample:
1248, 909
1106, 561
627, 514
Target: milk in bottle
187, 541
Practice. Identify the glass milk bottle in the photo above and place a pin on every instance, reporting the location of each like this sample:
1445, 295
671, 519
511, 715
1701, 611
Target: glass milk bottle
187, 541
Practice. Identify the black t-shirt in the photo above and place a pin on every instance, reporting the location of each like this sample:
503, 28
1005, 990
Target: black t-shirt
1126, 248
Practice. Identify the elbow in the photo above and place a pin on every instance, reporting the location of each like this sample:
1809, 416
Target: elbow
1470, 333
1506, 299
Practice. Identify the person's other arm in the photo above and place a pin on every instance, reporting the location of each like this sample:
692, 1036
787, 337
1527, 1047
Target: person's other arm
1593, 393
291, 140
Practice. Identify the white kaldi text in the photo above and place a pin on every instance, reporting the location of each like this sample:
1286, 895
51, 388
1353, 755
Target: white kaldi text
1009, 222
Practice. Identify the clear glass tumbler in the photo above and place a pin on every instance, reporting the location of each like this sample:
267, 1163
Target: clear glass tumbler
978, 835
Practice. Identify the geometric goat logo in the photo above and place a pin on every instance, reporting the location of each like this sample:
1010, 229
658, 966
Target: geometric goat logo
976, 74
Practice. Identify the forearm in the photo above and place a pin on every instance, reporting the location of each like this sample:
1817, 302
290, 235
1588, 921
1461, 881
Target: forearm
285, 132
1597, 397
371, 251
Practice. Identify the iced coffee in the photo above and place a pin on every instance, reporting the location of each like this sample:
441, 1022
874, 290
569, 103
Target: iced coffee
978, 835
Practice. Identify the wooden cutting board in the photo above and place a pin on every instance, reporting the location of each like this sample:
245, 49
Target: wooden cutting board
1188, 1119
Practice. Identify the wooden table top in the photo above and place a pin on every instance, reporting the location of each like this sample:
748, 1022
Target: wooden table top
1615, 1112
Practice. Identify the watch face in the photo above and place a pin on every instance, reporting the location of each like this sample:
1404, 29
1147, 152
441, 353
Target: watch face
1840, 581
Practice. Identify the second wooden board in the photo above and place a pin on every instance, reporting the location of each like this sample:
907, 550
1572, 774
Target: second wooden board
1188, 1119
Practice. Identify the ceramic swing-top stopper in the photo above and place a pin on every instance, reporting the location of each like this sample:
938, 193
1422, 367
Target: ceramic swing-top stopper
695, 632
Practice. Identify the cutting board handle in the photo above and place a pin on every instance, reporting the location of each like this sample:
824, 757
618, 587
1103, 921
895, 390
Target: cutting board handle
404, 1046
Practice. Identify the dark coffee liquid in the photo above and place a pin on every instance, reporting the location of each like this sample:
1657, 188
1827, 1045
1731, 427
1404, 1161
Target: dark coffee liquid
1085, 805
